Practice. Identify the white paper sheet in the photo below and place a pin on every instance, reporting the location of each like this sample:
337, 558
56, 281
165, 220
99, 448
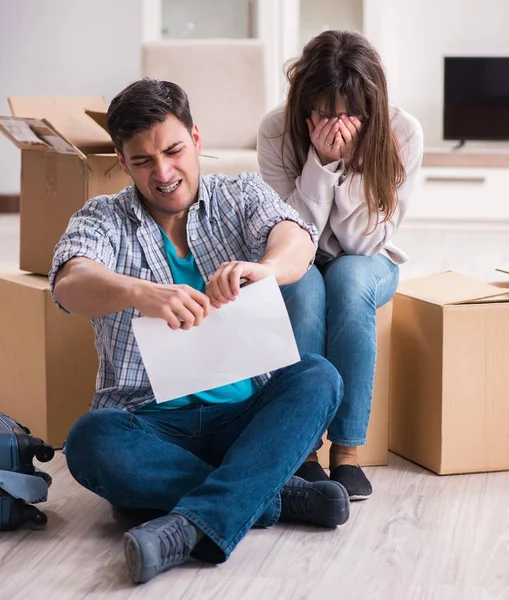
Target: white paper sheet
247, 337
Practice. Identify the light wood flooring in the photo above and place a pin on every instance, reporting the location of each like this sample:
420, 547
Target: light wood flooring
420, 537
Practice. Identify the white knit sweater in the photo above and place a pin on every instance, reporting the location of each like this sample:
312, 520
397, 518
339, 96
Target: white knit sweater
336, 204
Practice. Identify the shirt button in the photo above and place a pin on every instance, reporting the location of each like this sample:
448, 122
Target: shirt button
194, 238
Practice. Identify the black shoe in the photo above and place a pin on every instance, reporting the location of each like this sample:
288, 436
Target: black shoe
312, 471
157, 546
322, 503
353, 479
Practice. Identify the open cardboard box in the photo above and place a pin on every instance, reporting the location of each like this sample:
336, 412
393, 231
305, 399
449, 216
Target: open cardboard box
66, 159
449, 408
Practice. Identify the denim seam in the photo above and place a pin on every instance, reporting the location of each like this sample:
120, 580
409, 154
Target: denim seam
385, 279
351, 443
208, 531
248, 404
227, 548
360, 442
295, 466
154, 425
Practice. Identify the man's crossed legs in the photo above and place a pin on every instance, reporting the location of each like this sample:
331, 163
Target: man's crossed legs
217, 470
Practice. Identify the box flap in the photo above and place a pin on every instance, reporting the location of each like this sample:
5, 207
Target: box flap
99, 117
451, 288
37, 282
35, 134
68, 117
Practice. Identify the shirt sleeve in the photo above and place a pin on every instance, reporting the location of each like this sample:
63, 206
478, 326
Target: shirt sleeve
350, 218
310, 193
263, 210
90, 234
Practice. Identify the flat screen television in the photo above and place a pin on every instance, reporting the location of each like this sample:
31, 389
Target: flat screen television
476, 98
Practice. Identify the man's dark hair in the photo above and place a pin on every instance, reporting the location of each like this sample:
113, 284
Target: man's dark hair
142, 105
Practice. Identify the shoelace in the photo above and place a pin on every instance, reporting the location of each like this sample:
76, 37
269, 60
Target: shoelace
173, 543
297, 502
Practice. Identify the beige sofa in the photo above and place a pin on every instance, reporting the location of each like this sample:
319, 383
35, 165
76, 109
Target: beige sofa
225, 82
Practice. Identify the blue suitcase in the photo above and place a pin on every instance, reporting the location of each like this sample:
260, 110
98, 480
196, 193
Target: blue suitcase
21, 484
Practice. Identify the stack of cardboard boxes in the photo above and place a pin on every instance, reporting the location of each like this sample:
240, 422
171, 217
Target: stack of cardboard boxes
48, 362
444, 363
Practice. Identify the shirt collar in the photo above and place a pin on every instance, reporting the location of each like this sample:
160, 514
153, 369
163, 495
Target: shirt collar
204, 196
139, 211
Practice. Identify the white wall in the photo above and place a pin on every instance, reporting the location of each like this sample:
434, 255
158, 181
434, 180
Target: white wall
206, 19
412, 38
64, 47
278, 23
152, 19
320, 15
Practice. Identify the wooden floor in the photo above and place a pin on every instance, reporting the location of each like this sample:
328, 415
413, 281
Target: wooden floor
420, 537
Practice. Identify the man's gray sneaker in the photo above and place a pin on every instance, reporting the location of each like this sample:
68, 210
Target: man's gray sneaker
157, 546
322, 503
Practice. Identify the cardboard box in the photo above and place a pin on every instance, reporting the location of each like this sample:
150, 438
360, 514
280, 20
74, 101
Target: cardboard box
66, 159
48, 361
450, 374
375, 452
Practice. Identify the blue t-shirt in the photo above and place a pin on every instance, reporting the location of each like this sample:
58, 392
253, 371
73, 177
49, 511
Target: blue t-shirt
185, 271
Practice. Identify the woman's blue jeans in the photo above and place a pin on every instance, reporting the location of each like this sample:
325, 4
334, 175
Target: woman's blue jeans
333, 313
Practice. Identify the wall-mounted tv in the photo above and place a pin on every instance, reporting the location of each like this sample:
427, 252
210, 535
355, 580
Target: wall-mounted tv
476, 98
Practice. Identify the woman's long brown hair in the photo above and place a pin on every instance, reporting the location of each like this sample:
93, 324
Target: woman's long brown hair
343, 65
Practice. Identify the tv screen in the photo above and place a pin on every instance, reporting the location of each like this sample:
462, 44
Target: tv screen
476, 98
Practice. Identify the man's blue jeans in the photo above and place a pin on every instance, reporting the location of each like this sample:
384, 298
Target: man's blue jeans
333, 313
220, 466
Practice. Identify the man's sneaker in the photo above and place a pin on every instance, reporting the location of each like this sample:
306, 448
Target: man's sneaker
353, 479
312, 471
157, 546
322, 503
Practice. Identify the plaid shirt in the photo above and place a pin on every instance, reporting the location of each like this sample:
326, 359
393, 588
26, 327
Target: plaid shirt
231, 221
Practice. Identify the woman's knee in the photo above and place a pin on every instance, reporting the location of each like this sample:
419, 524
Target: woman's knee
351, 281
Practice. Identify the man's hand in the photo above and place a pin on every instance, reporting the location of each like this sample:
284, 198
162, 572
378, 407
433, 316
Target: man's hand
181, 306
335, 138
224, 285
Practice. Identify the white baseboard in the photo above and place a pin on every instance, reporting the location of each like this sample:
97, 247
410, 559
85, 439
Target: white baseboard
454, 225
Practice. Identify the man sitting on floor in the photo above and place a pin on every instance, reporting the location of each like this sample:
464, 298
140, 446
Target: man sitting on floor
170, 247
